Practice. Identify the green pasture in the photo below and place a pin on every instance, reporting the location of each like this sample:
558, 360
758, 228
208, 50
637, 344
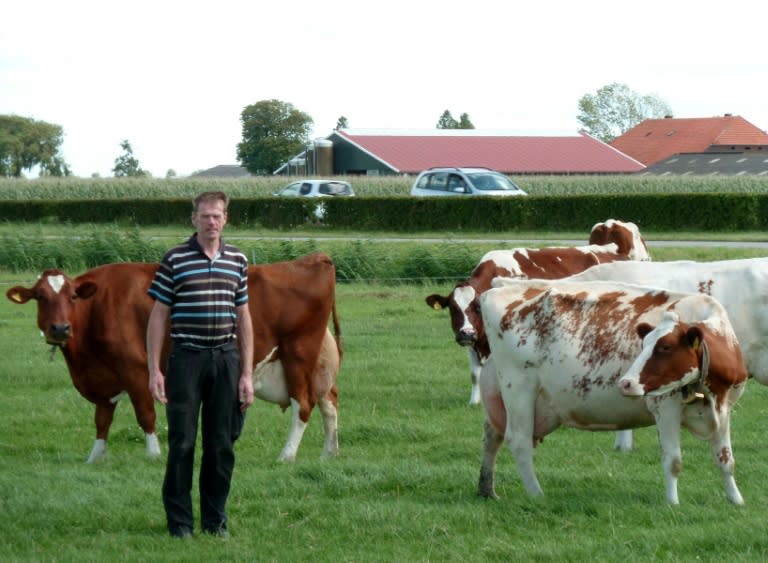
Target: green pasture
404, 485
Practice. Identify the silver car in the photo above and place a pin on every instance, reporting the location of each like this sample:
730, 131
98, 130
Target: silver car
464, 181
316, 188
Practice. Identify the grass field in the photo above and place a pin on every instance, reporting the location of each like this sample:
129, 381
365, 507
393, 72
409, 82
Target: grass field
403, 487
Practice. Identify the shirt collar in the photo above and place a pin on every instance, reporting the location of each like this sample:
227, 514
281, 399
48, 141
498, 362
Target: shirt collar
194, 244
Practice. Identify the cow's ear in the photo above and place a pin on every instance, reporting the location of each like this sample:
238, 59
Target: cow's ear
643, 329
86, 289
436, 301
19, 294
694, 337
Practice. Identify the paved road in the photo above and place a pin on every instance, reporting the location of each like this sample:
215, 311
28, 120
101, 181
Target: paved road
517, 242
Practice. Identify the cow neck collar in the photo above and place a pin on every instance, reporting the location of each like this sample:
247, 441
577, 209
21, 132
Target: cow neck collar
696, 390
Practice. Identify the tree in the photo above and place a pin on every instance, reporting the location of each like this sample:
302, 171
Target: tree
127, 165
273, 132
342, 123
448, 122
26, 143
464, 122
615, 109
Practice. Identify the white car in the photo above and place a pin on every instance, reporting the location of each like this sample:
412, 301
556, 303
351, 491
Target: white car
464, 181
317, 188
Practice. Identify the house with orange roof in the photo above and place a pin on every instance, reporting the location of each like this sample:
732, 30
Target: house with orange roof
710, 145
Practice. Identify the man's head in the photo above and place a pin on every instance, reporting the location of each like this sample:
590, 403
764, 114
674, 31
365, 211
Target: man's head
210, 215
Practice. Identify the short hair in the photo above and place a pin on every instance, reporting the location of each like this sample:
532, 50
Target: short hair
210, 197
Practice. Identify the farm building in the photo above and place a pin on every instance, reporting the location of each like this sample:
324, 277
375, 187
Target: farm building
386, 152
728, 145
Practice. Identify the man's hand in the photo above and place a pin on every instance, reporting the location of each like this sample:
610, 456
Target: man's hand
157, 386
245, 391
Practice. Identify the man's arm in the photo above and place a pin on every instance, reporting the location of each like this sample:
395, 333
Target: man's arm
158, 321
245, 343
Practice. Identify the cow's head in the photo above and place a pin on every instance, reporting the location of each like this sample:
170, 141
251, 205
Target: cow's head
464, 308
625, 235
674, 355
56, 295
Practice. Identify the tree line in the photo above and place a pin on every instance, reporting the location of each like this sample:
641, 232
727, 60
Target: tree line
273, 131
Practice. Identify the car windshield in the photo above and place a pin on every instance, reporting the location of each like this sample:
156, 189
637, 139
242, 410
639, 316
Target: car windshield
488, 181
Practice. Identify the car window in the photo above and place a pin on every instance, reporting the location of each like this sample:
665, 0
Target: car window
490, 181
334, 188
306, 188
437, 181
456, 184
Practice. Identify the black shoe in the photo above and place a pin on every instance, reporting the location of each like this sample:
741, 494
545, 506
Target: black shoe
182, 532
220, 532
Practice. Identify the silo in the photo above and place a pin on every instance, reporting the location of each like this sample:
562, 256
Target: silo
324, 157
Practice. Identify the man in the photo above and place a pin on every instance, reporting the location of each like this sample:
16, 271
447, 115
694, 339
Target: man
201, 287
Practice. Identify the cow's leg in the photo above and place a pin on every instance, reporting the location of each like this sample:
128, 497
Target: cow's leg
327, 406
623, 441
492, 440
520, 402
105, 412
720, 445
144, 408
299, 366
475, 368
668, 415
296, 432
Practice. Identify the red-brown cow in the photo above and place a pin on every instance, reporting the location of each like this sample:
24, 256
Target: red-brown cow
610, 241
99, 322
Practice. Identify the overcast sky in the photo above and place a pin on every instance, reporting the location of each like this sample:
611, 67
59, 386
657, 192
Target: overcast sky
172, 77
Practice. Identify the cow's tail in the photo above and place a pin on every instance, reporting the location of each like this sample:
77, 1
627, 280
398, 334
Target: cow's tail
337, 330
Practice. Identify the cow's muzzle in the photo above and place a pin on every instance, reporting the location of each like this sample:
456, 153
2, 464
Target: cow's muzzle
466, 338
58, 334
630, 388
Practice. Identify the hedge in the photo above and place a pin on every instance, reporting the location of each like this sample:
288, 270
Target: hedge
652, 212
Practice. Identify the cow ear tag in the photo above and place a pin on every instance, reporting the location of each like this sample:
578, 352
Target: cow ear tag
436, 306
696, 344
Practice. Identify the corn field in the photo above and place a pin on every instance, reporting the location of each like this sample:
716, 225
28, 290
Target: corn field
116, 188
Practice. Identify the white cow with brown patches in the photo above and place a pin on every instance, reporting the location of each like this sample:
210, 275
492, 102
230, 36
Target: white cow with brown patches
609, 241
559, 350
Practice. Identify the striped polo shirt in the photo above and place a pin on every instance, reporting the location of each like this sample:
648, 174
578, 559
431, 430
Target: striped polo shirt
202, 293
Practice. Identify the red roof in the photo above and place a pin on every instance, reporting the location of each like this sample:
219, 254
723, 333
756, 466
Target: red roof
653, 140
412, 152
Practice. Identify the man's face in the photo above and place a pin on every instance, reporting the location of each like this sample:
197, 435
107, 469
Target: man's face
209, 219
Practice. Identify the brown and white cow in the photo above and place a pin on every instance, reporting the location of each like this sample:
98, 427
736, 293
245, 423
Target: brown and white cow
609, 241
560, 348
99, 321
296, 359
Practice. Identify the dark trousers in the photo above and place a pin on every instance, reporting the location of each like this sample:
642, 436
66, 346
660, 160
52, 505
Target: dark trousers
195, 378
